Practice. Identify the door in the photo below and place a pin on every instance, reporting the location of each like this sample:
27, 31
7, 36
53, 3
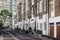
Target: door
58, 31
52, 30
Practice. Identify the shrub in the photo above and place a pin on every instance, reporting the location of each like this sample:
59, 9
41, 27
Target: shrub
16, 29
30, 29
23, 30
39, 31
1, 24
19, 29
26, 31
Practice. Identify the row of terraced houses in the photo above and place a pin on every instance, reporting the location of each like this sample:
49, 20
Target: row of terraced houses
42, 14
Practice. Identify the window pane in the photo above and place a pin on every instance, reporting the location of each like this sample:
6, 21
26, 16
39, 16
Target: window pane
40, 16
40, 25
44, 25
40, 6
44, 5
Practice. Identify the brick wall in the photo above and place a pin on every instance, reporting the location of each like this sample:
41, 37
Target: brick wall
57, 7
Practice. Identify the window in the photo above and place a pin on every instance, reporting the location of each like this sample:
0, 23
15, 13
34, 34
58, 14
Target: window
40, 16
32, 19
40, 25
10, 0
44, 25
10, 3
32, 2
40, 6
34, 11
51, 7
44, 5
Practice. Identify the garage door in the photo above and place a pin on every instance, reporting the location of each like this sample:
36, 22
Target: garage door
58, 31
51, 30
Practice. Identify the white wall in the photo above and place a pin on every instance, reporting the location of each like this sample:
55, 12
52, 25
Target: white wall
39, 21
54, 19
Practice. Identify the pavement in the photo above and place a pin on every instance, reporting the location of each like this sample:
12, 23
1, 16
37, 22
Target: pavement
14, 35
1, 37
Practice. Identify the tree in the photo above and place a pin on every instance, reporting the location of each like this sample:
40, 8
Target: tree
1, 24
5, 13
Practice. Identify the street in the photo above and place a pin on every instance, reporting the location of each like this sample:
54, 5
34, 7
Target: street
14, 35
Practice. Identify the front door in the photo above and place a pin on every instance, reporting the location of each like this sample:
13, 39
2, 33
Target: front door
52, 30
58, 31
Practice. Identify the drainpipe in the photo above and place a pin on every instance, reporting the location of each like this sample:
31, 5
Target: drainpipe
48, 17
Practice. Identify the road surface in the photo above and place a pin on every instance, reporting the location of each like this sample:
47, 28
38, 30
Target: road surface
14, 35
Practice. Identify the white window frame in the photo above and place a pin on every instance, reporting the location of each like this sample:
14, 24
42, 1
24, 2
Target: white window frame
44, 5
41, 6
